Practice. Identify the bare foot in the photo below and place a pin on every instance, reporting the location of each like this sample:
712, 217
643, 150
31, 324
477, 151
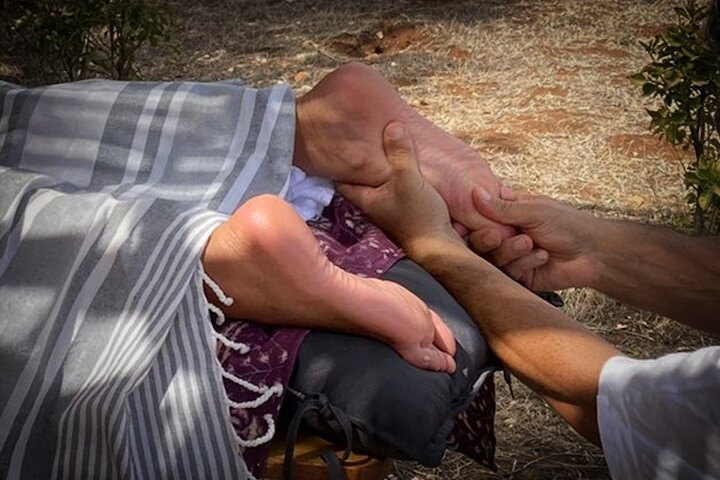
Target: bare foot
268, 261
340, 125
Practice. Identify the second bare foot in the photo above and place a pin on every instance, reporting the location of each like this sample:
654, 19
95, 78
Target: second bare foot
266, 258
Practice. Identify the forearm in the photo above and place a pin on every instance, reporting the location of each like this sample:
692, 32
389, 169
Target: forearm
660, 270
554, 355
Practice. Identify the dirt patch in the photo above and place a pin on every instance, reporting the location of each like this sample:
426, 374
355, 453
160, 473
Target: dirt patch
470, 90
578, 188
458, 53
644, 146
621, 79
554, 121
543, 91
382, 39
603, 50
596, 49
494, 142
566, 73
648, 30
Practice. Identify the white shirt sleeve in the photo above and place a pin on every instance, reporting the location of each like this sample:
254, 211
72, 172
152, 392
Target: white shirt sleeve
660, 419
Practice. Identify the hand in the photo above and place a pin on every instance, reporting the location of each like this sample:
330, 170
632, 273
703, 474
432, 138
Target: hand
557, 247
406, 206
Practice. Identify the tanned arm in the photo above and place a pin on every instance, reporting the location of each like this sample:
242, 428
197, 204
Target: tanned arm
650, 267
554, 355
663, 271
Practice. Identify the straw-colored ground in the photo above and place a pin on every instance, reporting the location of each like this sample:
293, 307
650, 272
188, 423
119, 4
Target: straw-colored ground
538, 86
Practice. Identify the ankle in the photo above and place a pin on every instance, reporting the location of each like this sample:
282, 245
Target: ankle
303, 133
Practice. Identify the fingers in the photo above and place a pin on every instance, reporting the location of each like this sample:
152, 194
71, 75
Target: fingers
515, 255
510, 250
477, 222
522, 268
511, 211
484, 240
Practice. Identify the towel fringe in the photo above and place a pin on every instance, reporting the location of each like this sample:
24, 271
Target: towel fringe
240, 347
224, 299
260, 440
274, 390
265, 392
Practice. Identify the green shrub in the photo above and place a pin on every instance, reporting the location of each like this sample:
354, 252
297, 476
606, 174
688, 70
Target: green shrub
74, 39
684, 73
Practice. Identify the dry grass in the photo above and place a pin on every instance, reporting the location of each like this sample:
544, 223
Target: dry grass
538, 86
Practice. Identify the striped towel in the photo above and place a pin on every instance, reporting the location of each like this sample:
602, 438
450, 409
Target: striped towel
108, 193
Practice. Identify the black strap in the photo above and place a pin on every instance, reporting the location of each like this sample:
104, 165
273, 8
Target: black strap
508, 381
551, 297
334, 466
320, 403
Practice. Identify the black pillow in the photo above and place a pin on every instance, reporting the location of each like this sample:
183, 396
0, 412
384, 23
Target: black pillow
396, 410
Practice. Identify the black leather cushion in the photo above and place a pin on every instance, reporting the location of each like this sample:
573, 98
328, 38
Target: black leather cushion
396, 410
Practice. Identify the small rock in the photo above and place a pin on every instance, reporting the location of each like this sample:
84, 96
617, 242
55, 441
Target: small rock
301, 76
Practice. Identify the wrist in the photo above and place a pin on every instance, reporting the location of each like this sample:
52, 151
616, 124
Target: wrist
608, 246
301, 154
423, 248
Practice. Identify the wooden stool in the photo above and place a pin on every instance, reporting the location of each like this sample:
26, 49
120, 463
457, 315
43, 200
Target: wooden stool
309, 466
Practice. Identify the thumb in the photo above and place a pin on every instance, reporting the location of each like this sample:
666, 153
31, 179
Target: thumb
513, 212
398, 145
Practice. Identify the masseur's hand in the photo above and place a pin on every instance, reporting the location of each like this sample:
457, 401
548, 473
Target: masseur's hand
557, 249
406, 207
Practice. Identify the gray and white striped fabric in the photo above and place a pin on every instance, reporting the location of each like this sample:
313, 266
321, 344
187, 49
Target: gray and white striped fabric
108, 193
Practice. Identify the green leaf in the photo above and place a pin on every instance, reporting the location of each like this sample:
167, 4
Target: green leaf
705, 200
649, 89
637, 77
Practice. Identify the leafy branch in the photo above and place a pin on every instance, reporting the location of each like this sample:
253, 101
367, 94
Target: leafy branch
684, 74
67, 40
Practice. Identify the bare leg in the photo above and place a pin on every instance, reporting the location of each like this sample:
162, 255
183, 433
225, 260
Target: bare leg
267, 259
340, 125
